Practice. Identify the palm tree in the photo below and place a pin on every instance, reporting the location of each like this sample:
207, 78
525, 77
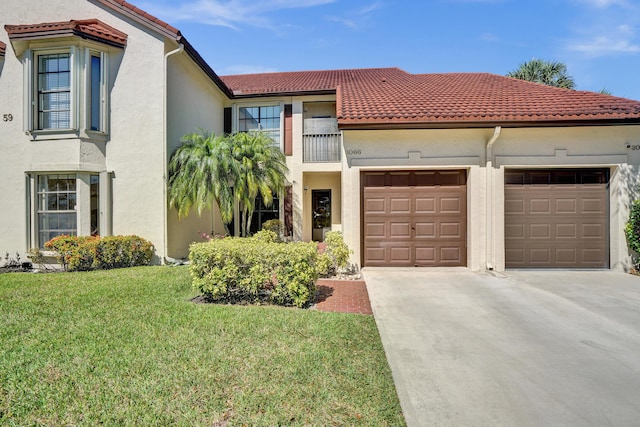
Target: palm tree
225, 169
261, 170
201, 171
549, 73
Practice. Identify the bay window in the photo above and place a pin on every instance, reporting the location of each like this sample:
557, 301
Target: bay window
56, 207
69, 204
54, 91
67, 92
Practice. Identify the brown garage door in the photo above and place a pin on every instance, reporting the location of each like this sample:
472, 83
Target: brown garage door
414, 218
556, 218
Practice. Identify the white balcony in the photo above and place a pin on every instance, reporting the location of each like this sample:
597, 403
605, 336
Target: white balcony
322, 141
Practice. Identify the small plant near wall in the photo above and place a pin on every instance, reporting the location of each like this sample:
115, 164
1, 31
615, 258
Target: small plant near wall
632, 232
336, 254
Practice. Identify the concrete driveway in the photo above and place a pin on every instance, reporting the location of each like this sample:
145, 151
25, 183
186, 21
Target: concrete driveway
527, 348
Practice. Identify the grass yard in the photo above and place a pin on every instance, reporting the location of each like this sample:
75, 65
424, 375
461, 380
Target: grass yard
125, 347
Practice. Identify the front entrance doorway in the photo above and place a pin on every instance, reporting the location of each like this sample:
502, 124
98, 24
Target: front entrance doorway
321, 214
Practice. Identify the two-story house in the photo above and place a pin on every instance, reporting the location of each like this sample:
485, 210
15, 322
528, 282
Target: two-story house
462, 169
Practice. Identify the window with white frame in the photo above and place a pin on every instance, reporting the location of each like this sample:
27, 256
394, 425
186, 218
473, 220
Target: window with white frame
56, 207
68, 91
54, 91
66, 204
264, 118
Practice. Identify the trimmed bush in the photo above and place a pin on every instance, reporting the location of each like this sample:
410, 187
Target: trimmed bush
632, 229
274, 225
81, 253
74, 253
122, 252
335, 256
255, 270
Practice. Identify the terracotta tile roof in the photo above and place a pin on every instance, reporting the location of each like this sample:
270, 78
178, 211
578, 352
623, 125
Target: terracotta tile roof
475, 98
3, 49
141, 15
167, 30
93, 29
389, 96
303, 81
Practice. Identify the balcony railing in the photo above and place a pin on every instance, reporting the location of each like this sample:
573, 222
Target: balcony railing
322, 148
322, 141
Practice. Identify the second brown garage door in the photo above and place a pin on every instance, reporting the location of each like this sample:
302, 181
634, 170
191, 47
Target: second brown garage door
414, 218
556, 218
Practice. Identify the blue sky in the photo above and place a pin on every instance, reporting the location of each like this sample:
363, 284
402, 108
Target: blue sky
598, 40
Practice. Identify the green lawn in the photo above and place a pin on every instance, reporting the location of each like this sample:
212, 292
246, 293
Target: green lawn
126, 347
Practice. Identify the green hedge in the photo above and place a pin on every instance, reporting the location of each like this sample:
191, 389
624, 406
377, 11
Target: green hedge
81, 253
256, 269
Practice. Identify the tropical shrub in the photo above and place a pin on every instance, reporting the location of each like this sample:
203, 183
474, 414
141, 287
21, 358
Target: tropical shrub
632, 229
254, 270
81, 253
122, 251
274, 225
336, 254
74, 253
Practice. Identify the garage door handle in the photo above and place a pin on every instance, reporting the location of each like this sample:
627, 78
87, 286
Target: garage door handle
413, 228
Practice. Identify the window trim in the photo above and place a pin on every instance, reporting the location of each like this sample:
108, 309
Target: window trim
40, 211
83, 207
280, 105
80, 87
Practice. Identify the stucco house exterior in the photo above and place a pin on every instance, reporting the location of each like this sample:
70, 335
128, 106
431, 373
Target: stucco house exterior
469, 170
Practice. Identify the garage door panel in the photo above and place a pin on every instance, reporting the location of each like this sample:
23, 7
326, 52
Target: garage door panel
375, 229
567, 205
399, 230
375, 254
514, 205
425, 230
571, 233
425, 205
400, 254
451, 230
539, 206
415, 225
400, 205
375, 205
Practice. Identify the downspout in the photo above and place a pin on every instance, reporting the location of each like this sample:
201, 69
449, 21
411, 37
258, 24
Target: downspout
165, 141
491, 202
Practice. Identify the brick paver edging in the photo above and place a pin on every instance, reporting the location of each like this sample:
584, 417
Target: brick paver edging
344, 296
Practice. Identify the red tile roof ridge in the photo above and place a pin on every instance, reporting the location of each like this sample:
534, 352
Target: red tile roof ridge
319, 71
83, 27
147, 18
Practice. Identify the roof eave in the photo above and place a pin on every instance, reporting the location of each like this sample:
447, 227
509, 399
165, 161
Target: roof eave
170, 32
197, 58
285, 93
66, 32
377, 125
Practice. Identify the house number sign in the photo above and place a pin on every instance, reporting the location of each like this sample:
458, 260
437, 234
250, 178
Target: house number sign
353, 152
7, 117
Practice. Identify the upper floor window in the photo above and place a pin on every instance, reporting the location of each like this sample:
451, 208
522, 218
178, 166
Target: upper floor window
54, 91
68, 90
66, 75
264, 118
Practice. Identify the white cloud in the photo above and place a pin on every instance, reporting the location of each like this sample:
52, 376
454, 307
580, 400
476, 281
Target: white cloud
605, 3
358, 18
620, 39
231, 13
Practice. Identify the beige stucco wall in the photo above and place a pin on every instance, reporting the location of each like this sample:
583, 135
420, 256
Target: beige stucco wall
132, 161
610, 146
321, 181
194, 103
